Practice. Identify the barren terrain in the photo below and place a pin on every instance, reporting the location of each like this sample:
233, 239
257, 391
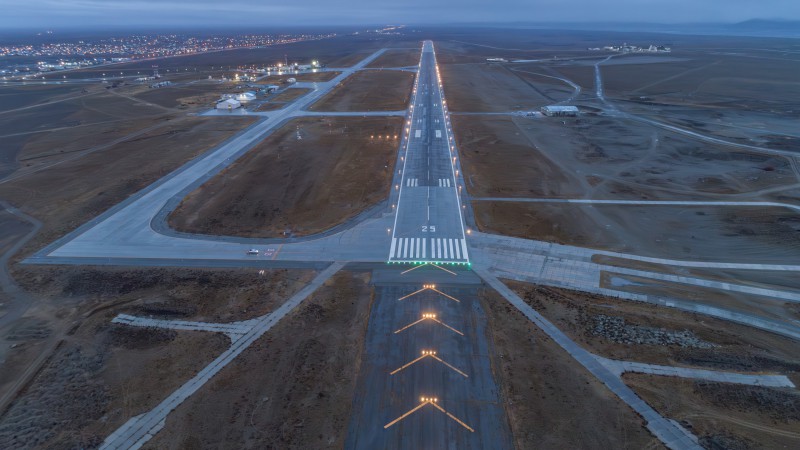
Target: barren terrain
287, 185
370, 90
636, 331
292, 389
725, 416
549, 396
101, 374
704, 233
497, 88
401, 57
68, 194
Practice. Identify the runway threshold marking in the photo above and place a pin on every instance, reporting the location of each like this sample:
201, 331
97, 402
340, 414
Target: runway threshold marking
428, 316
429, 401
429, 354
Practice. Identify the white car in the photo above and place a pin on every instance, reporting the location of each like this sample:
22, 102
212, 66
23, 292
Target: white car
252, 251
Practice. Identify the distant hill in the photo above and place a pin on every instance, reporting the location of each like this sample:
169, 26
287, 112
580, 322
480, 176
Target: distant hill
768, 26
754, 27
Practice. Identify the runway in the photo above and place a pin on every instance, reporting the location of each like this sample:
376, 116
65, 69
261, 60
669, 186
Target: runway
429, 225
426, 378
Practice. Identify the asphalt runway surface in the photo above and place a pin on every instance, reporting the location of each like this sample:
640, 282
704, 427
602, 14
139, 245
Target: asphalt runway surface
399, 372
429, 224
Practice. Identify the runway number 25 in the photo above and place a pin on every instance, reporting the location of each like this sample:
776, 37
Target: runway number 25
429, 228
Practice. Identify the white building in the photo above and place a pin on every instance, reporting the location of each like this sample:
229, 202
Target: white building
560, 111
229, 104
241, 97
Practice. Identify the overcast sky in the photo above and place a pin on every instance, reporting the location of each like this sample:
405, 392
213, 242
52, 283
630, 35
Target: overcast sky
225, 13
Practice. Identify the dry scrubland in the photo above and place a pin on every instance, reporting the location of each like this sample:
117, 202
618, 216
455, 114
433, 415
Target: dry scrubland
725, 416
497, 88
288, 184
704, 233
551, 401
716, 412
293, 388
388, 90
282, 99
67, 195
102, 374
595, 157
397, 58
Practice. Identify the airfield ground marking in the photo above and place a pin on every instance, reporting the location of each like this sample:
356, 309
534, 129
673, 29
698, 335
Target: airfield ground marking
429, 287
414, 268
445, 325
433, 288
442, 268
428, 354
447, 364
429, 401
452, 416
413, 293
428, 316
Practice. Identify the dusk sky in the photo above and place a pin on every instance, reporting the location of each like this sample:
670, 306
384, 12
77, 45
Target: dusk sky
227, 13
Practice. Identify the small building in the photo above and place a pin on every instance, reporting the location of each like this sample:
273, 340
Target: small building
241, 97
229, 104
560, 111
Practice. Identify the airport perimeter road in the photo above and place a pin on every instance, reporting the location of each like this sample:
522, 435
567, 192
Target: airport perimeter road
409, 397
429, 224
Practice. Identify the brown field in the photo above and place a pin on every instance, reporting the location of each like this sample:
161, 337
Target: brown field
289, 390
735, 347
619, 159
287, 184
290, 95
500, 161
64, 196
397, 58
349, 60
693, 232
67, 116
282, 99
762, 306
196, 96
759, 278
723, 415
549, 395
713, 78
595, 157
369, 90
102, 374
493, 88
306, 76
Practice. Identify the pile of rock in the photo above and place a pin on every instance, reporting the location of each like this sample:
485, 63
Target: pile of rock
615, 329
